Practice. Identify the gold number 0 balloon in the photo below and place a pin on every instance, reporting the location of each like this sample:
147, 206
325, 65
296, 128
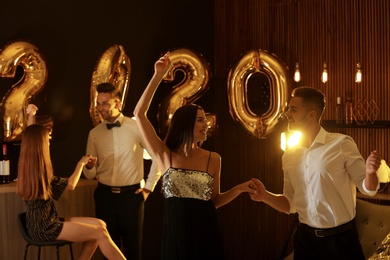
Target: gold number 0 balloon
195, 83
17, 98
114, 67
258, 62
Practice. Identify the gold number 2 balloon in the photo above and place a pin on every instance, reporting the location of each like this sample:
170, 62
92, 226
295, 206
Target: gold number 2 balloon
277, 72
194, 84
15, 101
114, 67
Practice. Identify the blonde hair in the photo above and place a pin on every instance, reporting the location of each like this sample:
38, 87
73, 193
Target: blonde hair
35, 170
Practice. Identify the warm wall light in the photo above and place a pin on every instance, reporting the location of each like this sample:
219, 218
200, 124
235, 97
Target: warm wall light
297, 74
383, 172
289, 139
358, 77
324, 77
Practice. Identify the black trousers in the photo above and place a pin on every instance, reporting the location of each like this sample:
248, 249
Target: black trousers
124, 215
345, 245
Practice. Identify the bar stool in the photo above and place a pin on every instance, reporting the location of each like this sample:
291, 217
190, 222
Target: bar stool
57, 243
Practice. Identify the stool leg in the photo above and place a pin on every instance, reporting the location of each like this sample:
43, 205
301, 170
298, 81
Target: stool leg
39, 252
58, 252
71, 251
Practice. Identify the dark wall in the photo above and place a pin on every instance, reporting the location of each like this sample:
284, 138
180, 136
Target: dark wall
72, 35
294, 31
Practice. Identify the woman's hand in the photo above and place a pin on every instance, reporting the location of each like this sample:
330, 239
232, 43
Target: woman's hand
261, 191
75, 177
88, 160
248, 186
163, 64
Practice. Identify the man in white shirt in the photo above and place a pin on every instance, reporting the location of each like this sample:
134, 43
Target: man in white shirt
119, 147
320, 179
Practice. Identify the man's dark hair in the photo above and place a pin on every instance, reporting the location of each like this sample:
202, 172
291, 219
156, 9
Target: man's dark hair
311, 96
109, 88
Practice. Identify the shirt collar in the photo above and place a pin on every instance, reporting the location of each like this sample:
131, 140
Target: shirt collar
321, 137
120, 118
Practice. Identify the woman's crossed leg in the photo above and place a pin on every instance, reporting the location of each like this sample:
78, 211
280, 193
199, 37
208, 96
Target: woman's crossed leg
93, 233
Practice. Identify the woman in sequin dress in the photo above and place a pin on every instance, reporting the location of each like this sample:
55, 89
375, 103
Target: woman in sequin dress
191, 182
40, 188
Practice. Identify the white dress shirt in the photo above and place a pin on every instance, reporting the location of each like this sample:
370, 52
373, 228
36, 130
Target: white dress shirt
119, 153
320, 181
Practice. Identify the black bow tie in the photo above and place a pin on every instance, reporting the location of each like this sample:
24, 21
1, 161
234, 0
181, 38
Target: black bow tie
117, 123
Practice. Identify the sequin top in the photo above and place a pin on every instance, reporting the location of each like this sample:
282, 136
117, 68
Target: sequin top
183, 183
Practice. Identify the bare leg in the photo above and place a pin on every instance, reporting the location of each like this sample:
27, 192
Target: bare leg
92, 231
88, 249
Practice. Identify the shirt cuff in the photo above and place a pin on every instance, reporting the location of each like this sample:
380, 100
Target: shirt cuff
370, 192
149, 186
89, 173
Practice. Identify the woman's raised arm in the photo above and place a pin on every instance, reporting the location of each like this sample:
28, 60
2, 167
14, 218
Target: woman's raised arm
154, 143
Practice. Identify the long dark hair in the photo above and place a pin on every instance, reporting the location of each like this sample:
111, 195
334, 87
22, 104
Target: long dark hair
180, 134
35, 170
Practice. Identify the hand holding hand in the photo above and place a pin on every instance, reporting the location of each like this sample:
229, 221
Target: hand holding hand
145, 192
261, 191
89, 161
248, 186
373, 162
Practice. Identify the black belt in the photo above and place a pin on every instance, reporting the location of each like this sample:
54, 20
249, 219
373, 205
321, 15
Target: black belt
327, 232
121, 189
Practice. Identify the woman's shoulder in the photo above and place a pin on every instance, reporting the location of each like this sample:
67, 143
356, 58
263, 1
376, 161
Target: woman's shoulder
214, 162
214, 156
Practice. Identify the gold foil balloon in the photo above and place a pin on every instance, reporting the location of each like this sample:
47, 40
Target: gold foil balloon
212, 124
16, 100
280, 83
113, 67
196, 72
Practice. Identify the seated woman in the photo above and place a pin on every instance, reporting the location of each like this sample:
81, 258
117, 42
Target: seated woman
39, 188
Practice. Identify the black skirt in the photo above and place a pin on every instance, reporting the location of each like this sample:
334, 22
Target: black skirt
190, 230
